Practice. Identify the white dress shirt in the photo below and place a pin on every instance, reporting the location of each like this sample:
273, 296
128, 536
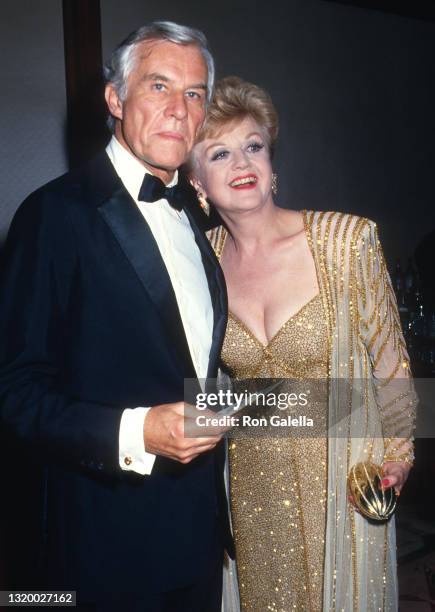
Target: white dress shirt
182, 258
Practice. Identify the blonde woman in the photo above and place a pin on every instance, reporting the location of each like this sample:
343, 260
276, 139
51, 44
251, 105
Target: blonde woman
309, 298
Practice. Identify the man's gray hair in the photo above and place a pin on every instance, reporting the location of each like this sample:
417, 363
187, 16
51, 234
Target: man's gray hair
122, 60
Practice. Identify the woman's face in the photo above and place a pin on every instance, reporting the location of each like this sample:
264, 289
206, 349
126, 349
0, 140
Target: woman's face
233, 169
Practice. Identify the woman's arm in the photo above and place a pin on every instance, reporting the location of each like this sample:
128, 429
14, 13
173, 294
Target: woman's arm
389, 359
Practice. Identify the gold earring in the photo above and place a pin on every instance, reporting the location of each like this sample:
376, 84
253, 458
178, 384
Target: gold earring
274, 183
203, 202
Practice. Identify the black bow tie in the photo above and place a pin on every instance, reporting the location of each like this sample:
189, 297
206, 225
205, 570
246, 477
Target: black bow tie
154, 189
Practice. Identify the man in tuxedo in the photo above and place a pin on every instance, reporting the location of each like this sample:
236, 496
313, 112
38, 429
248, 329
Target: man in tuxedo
110, 299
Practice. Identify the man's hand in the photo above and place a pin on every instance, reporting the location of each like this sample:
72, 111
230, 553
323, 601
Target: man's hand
164, 435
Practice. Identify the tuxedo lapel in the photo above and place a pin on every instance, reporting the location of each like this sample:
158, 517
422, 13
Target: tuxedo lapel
119, 211
218, 294
139, 246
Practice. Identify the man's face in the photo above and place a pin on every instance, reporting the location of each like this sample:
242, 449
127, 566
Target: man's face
164, 107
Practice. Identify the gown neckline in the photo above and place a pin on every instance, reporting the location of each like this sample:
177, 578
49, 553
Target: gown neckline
280, 329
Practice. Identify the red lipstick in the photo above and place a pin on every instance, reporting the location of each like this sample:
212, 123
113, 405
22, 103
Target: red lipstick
247, 181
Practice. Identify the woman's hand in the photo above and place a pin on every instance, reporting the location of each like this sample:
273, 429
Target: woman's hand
395, 474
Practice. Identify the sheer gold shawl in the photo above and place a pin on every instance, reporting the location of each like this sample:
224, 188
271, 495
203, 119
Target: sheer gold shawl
371, 415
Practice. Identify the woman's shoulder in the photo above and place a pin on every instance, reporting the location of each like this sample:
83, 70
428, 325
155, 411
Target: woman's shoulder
321, 227
337, 225
216, 237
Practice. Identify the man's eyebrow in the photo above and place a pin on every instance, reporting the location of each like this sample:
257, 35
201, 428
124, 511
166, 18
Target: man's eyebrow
198, 86
156, 76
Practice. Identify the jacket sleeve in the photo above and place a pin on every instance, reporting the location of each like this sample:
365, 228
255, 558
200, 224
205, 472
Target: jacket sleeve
38, 274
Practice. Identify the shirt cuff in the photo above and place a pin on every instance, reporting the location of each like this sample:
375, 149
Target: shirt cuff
132, 454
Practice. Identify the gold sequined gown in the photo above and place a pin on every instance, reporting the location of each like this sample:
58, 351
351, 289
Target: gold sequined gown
278, 484
365, 350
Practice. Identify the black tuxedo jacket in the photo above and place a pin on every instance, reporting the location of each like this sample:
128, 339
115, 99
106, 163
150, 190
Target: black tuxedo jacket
89, 325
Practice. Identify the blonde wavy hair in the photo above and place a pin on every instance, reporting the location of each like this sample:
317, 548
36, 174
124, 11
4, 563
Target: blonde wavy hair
235, 99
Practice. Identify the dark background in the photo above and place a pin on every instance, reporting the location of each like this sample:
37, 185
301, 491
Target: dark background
354, 87
354, 84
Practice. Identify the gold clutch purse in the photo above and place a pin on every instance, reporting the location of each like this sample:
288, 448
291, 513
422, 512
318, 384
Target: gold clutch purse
364, 484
